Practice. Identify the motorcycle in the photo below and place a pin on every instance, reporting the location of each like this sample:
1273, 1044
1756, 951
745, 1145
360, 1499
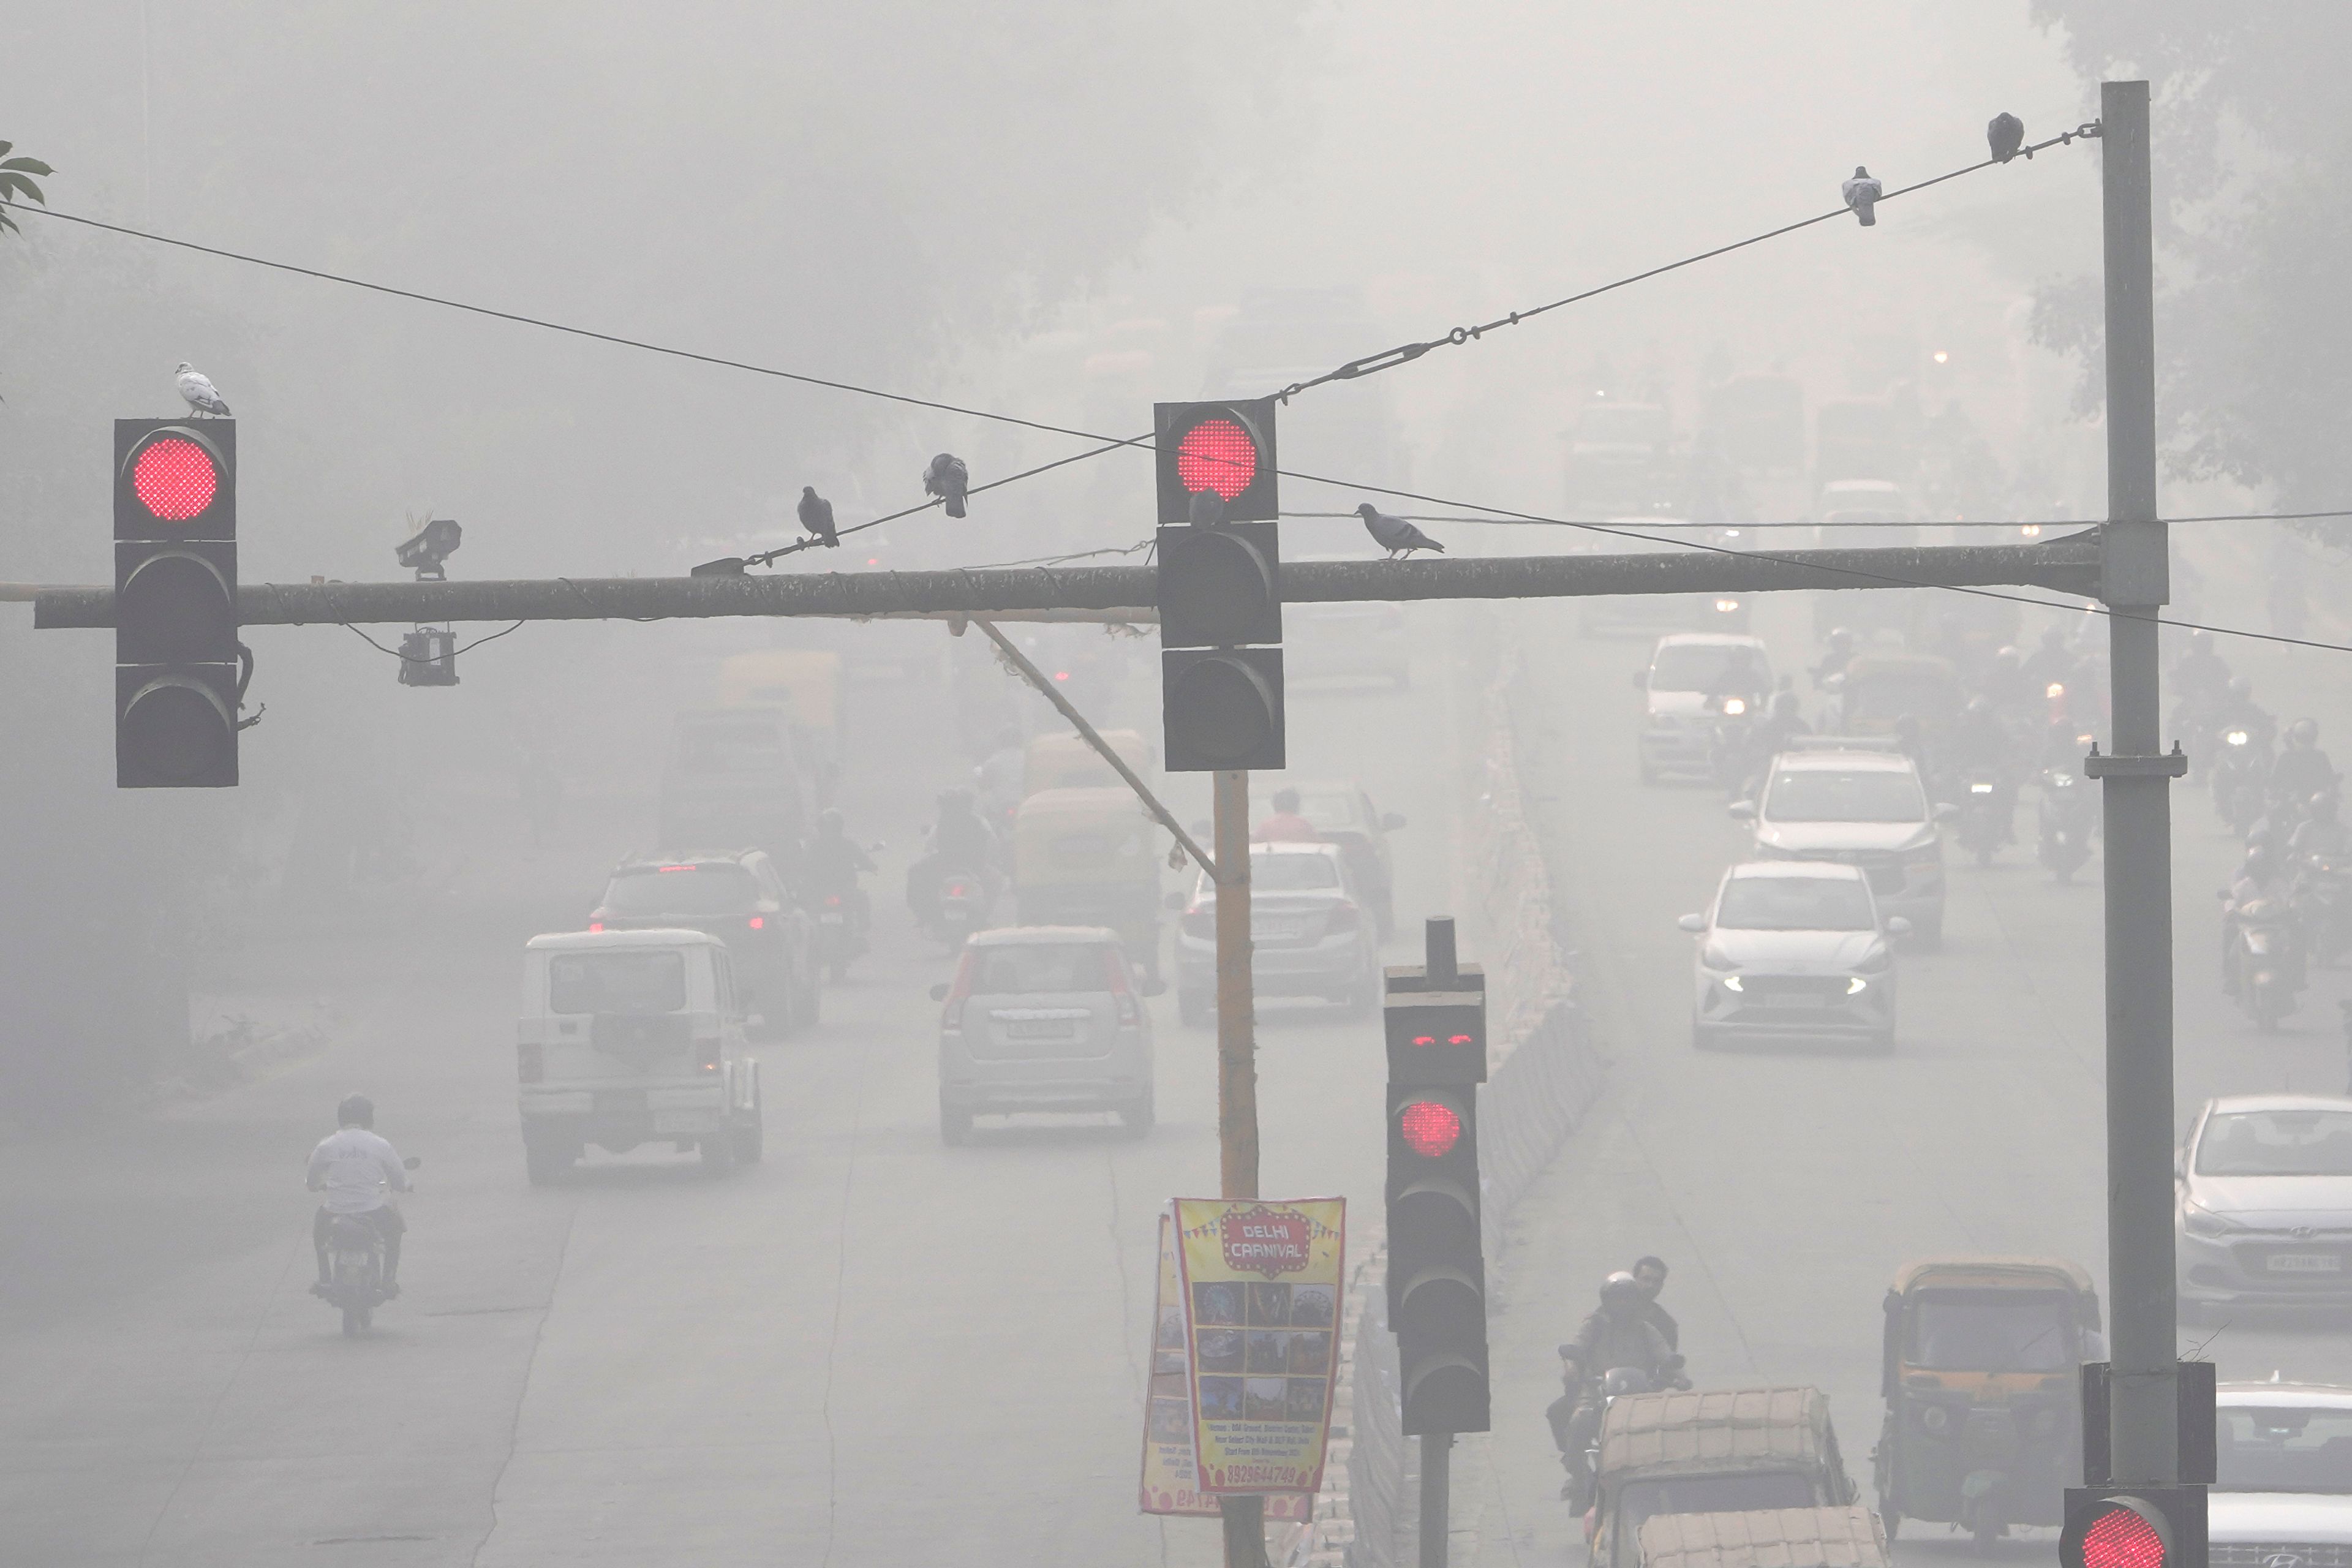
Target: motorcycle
1980, 829
1731, 746
355, 1269
963, 908
2067, 815
2266, 959
840, 934
2240, 768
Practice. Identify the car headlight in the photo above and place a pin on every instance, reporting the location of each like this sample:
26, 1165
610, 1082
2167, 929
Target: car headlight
1856, 986
2198, 1221
1731, 983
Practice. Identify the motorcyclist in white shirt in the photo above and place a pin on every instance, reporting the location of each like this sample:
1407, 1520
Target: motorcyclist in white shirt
359, 1172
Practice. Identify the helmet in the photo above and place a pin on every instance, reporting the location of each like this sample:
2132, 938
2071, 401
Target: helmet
1621, 1290
829, 821
2303, 732
2258, 860
2005, 659
1840, 638
356, 1110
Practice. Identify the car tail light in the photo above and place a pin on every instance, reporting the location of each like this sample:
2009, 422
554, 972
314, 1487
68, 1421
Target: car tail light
595, 926
832, 901
1122, 994
1345, 917
959, 993
958, 889
759, 922
530, 1062
1201, 921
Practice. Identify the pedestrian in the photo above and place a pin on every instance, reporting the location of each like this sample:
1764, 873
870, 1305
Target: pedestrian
1650, 1273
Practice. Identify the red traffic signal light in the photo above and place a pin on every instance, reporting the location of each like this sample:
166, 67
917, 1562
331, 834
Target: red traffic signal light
2122, 1537
1435, 1038
1223, 448
174, 478
2151, 1527
1429, 1128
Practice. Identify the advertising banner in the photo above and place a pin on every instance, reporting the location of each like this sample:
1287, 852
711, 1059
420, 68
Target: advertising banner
1170, 1473
1261, 1282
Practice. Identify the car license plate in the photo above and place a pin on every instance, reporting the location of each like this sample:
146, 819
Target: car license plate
1040, 1029
2306, 1263
831, 919
1792, 999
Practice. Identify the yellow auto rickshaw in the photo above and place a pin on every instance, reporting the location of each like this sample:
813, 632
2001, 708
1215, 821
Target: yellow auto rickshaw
1882, 687
806, 684
1982, 1370
1067, 762
1085, 856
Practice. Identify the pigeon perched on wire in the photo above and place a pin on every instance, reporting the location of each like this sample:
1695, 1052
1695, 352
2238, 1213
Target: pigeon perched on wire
1395, 535
2006, 135
816, 516
949, 477
1862, 193
199, 392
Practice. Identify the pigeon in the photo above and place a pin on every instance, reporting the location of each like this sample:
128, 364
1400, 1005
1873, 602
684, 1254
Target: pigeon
199, 392
1208, 508
1861, 191
816, 516
947, 476
2006, 134
1395, 535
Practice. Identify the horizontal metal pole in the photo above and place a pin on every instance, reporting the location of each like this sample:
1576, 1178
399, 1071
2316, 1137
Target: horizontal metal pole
2068, 565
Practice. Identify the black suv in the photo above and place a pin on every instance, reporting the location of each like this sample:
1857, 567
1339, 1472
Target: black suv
741, 898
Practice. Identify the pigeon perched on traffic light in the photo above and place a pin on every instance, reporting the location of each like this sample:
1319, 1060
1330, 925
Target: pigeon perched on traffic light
947, 476
2006, 135
816, 516
1395, 535
199, 391
1861, 194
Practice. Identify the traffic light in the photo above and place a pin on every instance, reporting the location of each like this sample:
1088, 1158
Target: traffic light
1223, 449
177, 653
1222, 708
2142, 1527
1437, 1268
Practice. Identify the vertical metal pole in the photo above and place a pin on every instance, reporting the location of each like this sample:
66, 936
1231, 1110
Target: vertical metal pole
1436, 1492
2144, 1393
1244, 1517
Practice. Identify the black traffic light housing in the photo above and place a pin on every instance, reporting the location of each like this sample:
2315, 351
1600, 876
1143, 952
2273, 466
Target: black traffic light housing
1219, 587
1222, 708
2134, 1527
1224, 448
176, 642
1436, 1037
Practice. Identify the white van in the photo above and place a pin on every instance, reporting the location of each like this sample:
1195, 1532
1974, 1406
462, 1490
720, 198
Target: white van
632, 1037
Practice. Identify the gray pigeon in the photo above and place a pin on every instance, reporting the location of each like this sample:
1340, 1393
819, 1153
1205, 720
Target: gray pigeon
2006, 135
1395, 535
198, 391
947, 476
816, 516
1861, 193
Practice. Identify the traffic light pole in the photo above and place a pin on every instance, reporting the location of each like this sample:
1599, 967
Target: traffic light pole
1437, 1495
1244, 1517
2144, 1399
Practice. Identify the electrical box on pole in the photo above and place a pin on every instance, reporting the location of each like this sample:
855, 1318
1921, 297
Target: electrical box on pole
175, 639
1219, 586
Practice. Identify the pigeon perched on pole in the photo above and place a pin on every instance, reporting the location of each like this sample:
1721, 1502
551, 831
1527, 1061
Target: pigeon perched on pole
816, 516
1395, 535
2006, 135
199, 392
1861, 194
947, 476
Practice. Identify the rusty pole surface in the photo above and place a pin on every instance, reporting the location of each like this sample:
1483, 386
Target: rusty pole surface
1238, 1147
2068, 565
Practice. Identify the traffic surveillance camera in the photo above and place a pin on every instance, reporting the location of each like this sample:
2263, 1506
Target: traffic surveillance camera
433, 545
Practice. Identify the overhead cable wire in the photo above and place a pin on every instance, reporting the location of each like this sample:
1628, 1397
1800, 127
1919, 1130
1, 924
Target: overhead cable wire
1674, 523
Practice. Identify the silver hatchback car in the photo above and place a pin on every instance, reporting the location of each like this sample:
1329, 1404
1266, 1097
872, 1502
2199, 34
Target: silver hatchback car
2265, 1202
1045, 1019
1793, 950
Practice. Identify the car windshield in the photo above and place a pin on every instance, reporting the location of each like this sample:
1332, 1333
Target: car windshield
2276, 1143
1830, 794
1292, 873
1795, 903
643, 980
680, 890
1030, 967
1326, 810
1710, 668
742, 747
1990, 1331
2283, 1448
1739, 1492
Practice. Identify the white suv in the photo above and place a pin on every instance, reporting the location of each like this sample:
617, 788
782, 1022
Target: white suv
1860, 803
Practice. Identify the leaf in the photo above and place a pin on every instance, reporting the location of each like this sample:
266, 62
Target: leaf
30, 165
12, 183
4, 147
7, 222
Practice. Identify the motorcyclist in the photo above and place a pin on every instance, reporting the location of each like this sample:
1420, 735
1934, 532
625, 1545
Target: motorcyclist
2005, 684
1650, 1273
2200, 676
834, 862
1284, 825
2258, 877
997, 778
2320, 835
359, 1172
960, 841
2239, 711
1616, 1333
2051, 664
2302, 769
1981, 743
1780, 724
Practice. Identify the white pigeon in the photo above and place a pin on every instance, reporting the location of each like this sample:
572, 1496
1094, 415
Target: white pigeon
200, 392
1861, 194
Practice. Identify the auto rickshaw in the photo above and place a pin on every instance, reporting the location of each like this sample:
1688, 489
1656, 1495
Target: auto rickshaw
1067, 762
1981, 1371
1848, 1537
1085, 856
805, 683
1880, 687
